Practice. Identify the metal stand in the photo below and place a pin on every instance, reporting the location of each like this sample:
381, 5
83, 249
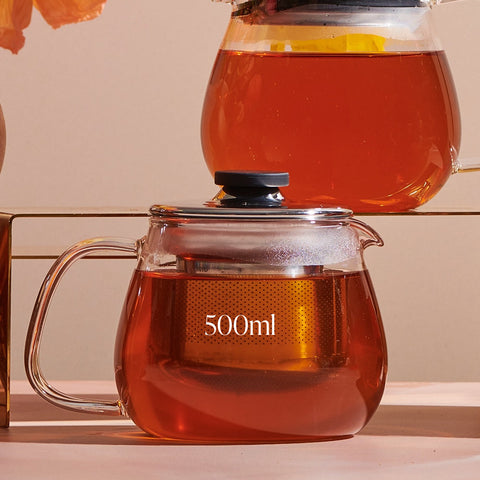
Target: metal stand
5, 271
6, 256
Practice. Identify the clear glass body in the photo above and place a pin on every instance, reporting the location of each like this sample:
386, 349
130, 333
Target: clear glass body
356, 103
240, 325
251, 331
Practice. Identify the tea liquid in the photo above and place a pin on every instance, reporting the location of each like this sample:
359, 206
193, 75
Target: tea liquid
371, 132
250, 360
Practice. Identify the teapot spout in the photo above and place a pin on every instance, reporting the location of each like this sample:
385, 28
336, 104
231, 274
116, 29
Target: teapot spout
368, 235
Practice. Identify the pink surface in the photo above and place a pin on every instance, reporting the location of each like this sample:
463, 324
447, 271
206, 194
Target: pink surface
420, 431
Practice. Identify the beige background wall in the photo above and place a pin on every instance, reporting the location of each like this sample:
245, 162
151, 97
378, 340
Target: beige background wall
107, 113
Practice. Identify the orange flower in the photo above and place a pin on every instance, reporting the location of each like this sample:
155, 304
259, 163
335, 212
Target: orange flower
60, 12
15, 16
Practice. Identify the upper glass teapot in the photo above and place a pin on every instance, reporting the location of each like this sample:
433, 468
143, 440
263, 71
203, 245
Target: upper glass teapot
354, 98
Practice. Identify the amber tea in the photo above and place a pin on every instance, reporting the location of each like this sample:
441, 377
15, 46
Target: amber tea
250, 359
369, 132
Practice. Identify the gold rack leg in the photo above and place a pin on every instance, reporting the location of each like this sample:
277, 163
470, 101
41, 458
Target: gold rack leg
5, 269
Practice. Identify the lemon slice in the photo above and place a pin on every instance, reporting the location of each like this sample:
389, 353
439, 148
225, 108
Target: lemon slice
349, 43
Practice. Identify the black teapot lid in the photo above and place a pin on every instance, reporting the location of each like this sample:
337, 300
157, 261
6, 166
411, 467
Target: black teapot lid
278, 5
286, 4
249, 195
250, 188
246, 7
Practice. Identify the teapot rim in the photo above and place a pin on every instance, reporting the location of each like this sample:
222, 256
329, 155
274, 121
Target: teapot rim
210, 210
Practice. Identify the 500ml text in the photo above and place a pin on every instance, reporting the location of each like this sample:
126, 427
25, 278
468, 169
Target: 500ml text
240, 325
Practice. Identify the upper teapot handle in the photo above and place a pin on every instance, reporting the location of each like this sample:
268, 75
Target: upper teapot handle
37, 322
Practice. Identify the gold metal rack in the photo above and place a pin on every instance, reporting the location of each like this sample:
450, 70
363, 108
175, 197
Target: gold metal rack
6, 257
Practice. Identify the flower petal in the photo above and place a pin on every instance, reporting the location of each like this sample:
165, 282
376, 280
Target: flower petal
61, 12
15, 15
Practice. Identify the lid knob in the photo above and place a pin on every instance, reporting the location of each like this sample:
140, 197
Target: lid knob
250, 188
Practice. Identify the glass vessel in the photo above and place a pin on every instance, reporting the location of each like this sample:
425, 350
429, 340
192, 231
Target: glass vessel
353, 98
245, 321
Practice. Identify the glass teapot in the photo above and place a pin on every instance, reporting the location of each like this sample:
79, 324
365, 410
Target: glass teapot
353, 97
245, 321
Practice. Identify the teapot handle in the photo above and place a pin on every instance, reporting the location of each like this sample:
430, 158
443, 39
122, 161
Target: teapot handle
471, 164
37, 322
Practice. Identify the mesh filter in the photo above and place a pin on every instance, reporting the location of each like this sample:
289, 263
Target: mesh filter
267, 320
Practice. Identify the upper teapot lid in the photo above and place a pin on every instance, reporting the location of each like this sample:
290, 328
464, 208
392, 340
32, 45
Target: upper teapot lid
249, 195
279, 5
